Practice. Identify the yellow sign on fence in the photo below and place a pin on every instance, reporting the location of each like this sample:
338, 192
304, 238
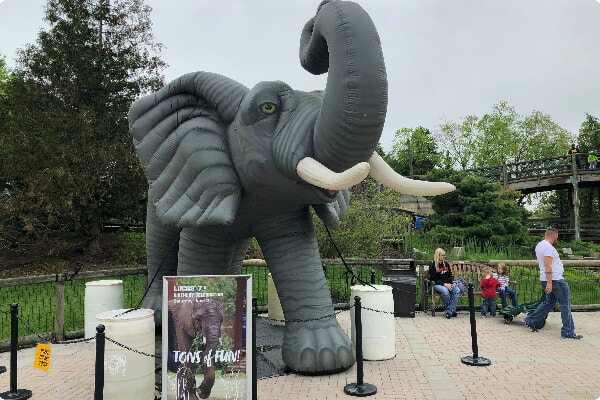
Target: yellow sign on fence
42, 357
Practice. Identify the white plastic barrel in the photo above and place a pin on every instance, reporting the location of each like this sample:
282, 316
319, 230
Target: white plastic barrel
273, 305
100, 296
378, 327
128, 374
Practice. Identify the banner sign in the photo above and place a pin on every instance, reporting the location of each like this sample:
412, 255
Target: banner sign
205, 331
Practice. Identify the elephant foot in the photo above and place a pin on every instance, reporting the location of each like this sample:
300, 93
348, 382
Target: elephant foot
186, 385
204, 389
317, 347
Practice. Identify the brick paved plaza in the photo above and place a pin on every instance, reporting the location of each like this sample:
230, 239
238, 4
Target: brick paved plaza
524, 365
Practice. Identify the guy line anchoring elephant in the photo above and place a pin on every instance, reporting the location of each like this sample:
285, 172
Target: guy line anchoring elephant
226, 163
200, 319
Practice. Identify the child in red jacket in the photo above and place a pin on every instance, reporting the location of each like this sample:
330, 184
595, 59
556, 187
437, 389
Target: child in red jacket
488, 292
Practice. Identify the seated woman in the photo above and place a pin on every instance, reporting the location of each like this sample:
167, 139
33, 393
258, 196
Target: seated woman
440, 274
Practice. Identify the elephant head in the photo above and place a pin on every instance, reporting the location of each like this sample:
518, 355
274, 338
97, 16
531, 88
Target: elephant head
226, 163
200, 320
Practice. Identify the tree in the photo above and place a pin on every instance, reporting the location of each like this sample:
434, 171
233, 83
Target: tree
476, 211
373, 217
66, 152
500, 136
413, 152
4, 76
589, 140
456, 142
589, 134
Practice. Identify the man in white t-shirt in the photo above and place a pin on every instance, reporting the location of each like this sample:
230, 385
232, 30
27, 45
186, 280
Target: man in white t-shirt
555, 287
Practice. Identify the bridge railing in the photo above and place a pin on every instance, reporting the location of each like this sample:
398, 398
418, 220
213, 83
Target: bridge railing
522, 170
542, 166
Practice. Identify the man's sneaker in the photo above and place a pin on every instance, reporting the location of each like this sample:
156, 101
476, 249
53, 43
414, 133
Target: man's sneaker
532, 327
448, 315
455, 314
572, 337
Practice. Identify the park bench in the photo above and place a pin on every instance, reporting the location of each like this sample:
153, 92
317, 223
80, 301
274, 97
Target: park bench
471, 271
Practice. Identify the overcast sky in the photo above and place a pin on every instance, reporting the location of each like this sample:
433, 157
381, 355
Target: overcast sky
445, 59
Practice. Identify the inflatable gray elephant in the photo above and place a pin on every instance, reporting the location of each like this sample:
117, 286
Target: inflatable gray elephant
226, 163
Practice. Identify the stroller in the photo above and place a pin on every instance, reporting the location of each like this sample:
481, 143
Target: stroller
526, 308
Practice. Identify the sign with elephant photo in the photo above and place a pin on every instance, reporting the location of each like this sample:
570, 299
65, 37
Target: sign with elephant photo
205, 338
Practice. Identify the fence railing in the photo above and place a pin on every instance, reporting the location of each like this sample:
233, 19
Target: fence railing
510, 172
53, 305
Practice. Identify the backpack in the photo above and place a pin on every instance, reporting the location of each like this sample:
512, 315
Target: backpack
462, 285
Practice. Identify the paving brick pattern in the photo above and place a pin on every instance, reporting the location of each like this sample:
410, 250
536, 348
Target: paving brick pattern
427, 365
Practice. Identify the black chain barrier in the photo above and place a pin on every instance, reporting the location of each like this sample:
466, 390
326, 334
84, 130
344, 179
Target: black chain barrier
131, 349
360, 388
310, 319
349, 273
14, 393
44, 340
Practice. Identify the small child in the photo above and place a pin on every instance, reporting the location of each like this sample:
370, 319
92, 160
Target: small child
503, 290
488, 292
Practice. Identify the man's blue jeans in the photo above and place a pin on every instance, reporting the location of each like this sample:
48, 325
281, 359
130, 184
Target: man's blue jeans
449, 298
511, 293
560, 294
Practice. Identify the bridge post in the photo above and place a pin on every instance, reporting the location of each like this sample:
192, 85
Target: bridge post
575, 183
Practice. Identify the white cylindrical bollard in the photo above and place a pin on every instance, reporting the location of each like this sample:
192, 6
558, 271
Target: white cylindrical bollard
273, 305
100, 296
128, 374
378, 327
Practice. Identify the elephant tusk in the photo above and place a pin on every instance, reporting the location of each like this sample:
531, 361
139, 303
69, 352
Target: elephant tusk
315, 173
383, 173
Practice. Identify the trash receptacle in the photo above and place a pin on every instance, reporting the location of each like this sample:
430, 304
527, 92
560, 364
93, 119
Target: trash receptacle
404, 285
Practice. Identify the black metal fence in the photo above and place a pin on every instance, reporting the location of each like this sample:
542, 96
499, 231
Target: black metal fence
54, 305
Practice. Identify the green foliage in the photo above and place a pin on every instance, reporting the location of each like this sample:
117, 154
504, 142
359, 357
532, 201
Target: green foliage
64, 144
589, 139
476, 210
589, 134
372, 218
4, 76
582, 248
133, 248
413, 152
500, 136
474, 249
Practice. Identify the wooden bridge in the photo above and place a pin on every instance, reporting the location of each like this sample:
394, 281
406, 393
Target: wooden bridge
541, 175
547, 174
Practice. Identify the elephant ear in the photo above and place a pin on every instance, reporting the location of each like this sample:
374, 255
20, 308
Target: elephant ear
179, 136
332, 213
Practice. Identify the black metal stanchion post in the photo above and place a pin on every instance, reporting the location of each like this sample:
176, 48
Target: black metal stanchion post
14, 393
475, 360
373, 277
359, 389
99, 378
254, 369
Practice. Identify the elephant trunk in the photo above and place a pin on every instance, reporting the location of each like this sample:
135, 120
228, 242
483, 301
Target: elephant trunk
342, 40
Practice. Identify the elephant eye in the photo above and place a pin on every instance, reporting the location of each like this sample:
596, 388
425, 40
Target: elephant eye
268, 108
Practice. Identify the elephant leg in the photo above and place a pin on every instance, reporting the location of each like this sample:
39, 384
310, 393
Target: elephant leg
209, 379
204, 251
314, 343
161, 250
239, 252
186, 383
